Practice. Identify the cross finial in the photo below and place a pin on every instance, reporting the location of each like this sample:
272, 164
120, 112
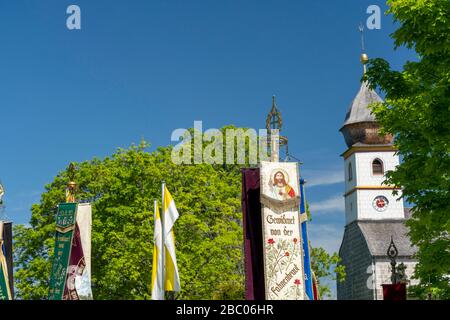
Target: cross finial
364, 57
361, 30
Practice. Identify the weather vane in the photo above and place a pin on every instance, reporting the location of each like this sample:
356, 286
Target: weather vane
364, 56
361, 29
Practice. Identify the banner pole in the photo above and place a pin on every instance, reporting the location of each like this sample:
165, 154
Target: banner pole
163, 230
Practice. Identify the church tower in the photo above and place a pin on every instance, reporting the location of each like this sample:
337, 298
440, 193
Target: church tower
368, 157
372, 213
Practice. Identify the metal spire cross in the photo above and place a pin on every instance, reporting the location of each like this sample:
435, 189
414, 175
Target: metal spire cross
361, 30
364, 57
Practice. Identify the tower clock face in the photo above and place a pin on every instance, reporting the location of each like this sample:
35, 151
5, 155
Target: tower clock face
380, 203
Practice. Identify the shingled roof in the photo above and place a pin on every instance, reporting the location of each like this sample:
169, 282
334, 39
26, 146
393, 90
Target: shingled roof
378, 236
359, 109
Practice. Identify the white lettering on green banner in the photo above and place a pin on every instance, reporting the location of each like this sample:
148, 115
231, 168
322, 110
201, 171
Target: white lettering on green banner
65, 224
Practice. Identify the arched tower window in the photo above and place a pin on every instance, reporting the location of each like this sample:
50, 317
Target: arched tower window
350, 172
377, 167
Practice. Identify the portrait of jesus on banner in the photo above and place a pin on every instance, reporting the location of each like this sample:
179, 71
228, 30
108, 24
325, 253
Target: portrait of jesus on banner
279, 185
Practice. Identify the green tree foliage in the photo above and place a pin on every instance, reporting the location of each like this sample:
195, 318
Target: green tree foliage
326, 266
122, 188
417, 113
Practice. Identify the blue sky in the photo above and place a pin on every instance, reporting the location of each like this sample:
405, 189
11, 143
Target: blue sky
144, 68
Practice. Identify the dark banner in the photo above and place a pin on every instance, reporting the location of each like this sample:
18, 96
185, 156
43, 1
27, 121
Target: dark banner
76, 267
6, 262
394, 291
8, 247
253, 247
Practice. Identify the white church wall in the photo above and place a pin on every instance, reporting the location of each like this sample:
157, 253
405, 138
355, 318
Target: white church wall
366, 210
359, 204
351, 208
365, 176
383, 274
350, 184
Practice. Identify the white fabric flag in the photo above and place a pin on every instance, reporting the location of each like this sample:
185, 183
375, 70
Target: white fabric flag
84, 221
157, 270
170, 212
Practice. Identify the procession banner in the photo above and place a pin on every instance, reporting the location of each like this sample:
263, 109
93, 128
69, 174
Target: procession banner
253, 239
83, 274
394, 291
65, 226
158, 263
76, 267
305, 243
8, 253
170, 214
5, 289
282, 239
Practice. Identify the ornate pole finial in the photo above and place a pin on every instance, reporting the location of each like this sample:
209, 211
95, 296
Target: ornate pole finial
273, 126
2, 192
273, 120
392, 253
2, 207
392, 250
71, 185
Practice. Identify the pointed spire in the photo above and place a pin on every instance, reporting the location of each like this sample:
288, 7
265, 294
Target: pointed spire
360, 125
274, 120
274, 108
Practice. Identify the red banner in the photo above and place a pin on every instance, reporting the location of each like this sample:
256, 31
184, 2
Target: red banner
76, 266
394, 291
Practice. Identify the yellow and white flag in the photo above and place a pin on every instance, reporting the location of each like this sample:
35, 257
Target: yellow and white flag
157, 270
170, 212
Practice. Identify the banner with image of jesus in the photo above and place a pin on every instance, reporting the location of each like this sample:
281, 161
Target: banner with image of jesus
282, 238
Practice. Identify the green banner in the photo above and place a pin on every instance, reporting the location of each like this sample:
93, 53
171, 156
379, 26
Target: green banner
65, 225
